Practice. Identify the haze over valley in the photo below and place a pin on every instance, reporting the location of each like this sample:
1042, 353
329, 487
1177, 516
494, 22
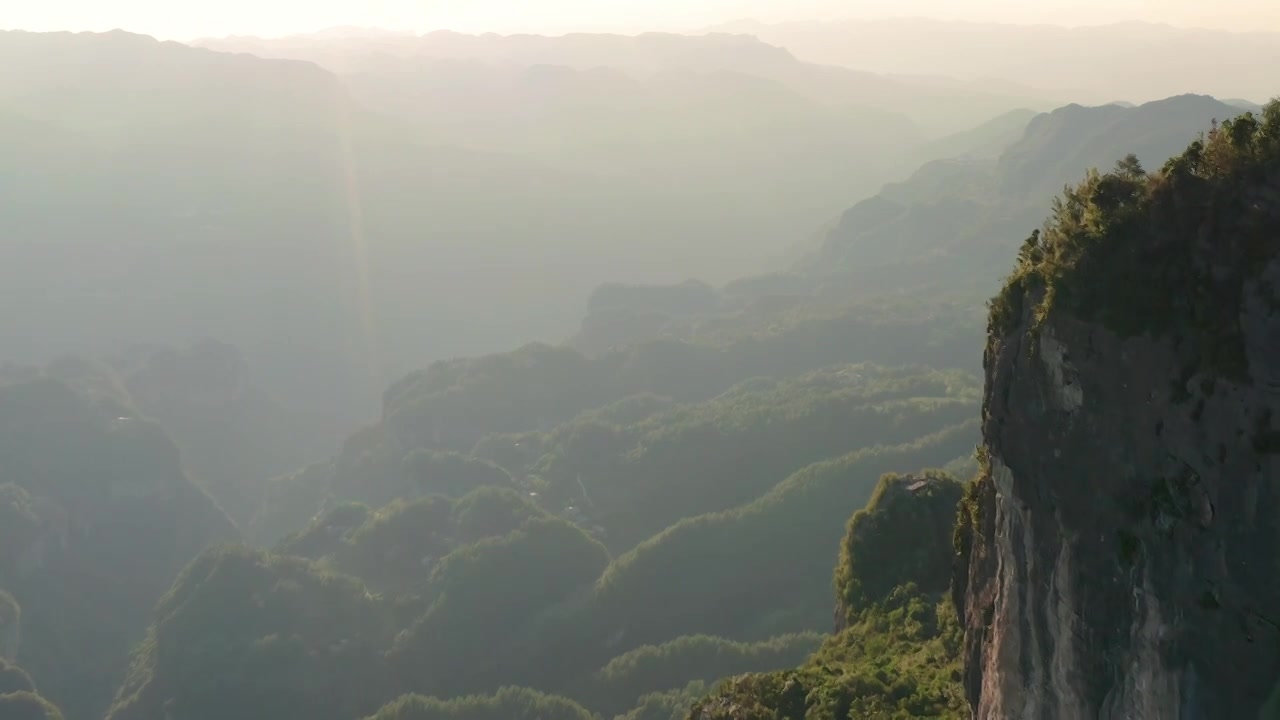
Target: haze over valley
551, 368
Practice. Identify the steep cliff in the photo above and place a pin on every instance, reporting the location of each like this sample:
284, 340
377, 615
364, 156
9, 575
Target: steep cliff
1118, 556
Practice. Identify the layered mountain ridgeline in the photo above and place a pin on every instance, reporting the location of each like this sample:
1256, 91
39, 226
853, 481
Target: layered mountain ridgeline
244, 634
486, 60
232, 435
960, 218
506, 704
453, 405
916, 259
782, 323
396, 548
319, 227
1151, 287
1099, 63
630, 480
897, 653
634, 466
458, 598
217, 167
1119, 553
96, 519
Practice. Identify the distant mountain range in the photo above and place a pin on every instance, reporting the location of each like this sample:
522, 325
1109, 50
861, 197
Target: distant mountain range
935, 243
958, 220
444, 55
418, 198
1128, 61
450, 195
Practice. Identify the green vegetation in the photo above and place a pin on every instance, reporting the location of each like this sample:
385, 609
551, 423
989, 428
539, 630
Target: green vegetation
454, 404
635, 480
616, 527
899, 661
496, 593
290, 639
324, 535
699, 658
506, 704
904, 536
452, 474
669, 705
633, 466
961, 219
232, 433
771, 556
483, 588
898, 655
96, 520
1122, 247
396, 548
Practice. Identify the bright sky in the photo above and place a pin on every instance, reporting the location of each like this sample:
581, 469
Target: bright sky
186, 19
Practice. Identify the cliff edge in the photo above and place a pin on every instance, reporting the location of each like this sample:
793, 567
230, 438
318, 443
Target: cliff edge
1119, 555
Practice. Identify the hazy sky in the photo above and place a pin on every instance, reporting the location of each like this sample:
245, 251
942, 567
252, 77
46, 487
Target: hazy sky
185, 19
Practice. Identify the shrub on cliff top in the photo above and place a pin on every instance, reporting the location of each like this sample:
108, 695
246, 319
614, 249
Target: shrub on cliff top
1144, 252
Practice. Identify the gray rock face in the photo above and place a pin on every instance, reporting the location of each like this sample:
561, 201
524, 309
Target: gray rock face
1123, 561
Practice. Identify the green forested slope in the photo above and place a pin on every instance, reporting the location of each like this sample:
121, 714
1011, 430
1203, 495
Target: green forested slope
898, 655
98, 519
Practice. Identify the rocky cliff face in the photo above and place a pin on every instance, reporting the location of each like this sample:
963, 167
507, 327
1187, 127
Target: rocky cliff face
1120, 556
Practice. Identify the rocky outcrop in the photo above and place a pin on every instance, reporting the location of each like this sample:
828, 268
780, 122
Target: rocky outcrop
902, 537
1120, 555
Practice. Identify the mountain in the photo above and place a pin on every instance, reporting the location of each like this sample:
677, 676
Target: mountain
643, 57
955, 218
341, 231
189, 207
98, 519
1134, 342
1130, 345
507, 704
896, 651
455, 405
991, 138
320, 658
632, 480
232, 433
1133, 61
640, 522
